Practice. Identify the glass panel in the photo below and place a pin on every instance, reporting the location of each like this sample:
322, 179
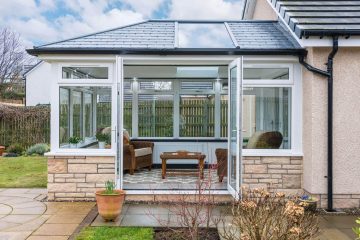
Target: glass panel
197, 115
198, 86
156, 85
266, 118
224, 115
88, 115
233, 129
84, 72
156, 115
204, 35
266, 73
76, 114
128, 113
85, 117
64, 116
127, 85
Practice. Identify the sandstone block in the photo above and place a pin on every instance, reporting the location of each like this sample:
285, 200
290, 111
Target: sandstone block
100, 160
75, 180
255, 168
50, 178
276, 160
106, 170
108, 165
57, 165
291, 181
99, 178
299, 167
61, 187
82, 168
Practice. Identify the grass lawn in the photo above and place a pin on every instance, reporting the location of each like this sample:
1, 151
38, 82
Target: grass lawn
114, 233
23, 172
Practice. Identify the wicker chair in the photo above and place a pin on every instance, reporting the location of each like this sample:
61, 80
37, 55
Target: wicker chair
221, 156
137, 154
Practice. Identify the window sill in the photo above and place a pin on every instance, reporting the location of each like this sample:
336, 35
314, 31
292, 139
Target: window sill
81, 153
270, 153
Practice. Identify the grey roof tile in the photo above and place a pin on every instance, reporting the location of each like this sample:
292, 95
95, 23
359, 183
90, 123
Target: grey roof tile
320, 17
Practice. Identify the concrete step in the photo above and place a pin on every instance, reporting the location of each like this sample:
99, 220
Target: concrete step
191, 198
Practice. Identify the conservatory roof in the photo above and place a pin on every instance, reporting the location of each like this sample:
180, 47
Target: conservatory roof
320, 17
183, 37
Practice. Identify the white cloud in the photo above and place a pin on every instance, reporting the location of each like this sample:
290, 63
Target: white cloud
206, 10
144, 7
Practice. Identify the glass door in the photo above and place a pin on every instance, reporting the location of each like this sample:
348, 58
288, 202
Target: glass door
118, 84
235, 133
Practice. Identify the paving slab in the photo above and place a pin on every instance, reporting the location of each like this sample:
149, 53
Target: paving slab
99, 222
47, 238
67, 218
14, 235
50, 229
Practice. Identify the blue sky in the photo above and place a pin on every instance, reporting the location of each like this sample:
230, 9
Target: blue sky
42, 21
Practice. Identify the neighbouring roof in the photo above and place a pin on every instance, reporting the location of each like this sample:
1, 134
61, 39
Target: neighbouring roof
170, 36
320, 18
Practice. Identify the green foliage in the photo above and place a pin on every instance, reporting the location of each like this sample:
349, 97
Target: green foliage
23, 172
109, 187
116, 233
356, 229
38, 149
15, 148
103, 137
74, 140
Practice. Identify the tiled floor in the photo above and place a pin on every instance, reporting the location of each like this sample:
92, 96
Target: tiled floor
144, 179
24, 216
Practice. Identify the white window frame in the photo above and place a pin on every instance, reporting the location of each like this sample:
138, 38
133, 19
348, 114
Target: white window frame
55, 114
270, 81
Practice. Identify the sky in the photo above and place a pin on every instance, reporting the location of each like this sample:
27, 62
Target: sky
43, 21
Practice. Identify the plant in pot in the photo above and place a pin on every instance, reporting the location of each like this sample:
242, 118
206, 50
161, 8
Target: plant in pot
110, 201
74, 141
102, 139
308, 202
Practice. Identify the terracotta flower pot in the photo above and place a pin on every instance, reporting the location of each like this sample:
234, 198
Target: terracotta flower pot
2, 149
109, 206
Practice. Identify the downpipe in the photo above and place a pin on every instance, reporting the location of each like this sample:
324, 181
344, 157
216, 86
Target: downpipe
330, 76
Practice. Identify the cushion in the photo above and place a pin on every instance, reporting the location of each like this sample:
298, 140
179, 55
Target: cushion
126, 137
106, 130
142, 152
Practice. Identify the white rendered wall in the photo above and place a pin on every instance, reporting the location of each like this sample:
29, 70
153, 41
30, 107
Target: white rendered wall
38, 85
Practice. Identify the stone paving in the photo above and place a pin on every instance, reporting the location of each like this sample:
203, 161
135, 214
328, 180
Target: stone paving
24, 216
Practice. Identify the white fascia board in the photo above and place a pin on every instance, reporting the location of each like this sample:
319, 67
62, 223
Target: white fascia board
77, 57
327, 42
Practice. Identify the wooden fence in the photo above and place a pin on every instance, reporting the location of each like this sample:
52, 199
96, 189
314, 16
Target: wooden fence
24, 125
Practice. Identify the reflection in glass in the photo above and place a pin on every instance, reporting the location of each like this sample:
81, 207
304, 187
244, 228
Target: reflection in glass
233, 128
84, 72
128, 113
84, 117
197, 114
204, 35
266, 73
155, 115
156, 85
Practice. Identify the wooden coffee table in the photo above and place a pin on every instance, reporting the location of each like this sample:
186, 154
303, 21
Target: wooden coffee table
183, 156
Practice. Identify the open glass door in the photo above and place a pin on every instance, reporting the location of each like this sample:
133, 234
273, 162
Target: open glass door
119, 130
234, 127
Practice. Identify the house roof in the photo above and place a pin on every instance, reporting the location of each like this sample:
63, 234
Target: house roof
321, 17
166, 36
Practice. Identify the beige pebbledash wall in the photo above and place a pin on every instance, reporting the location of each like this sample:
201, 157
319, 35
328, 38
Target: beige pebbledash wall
76, 178
346, 126
263, 11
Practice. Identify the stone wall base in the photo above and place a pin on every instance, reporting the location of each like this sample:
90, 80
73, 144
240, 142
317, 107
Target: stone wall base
339, 200
76, 178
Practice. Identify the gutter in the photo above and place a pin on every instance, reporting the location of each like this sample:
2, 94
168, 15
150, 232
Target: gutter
329, 73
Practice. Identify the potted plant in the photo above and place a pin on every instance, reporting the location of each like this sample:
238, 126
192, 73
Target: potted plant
102, 139
74, 141
308, 202
110, 201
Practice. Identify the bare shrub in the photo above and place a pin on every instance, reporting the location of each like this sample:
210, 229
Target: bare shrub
260, 215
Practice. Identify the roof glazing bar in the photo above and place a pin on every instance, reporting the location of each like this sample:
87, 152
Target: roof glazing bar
176, 40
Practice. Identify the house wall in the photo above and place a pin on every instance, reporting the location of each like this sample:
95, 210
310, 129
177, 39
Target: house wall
346, 128
76, 178
263, 11
38, 85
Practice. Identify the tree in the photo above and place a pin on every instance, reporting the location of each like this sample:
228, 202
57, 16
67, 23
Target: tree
12, 56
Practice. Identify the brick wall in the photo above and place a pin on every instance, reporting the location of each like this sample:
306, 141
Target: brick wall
76, 178
280, 174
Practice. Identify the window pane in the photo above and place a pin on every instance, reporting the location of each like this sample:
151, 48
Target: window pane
156, 85
266, 73
155, 115
64, 116
266, 118
197, 115
88, 114
85, 72
85, 117
128, 113
224, 116
76, 114
206, 35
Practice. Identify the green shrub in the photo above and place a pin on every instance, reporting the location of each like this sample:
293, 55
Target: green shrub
15, 148
38, 149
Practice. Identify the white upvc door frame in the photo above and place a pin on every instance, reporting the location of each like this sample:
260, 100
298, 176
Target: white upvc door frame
119, 82
238, 64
